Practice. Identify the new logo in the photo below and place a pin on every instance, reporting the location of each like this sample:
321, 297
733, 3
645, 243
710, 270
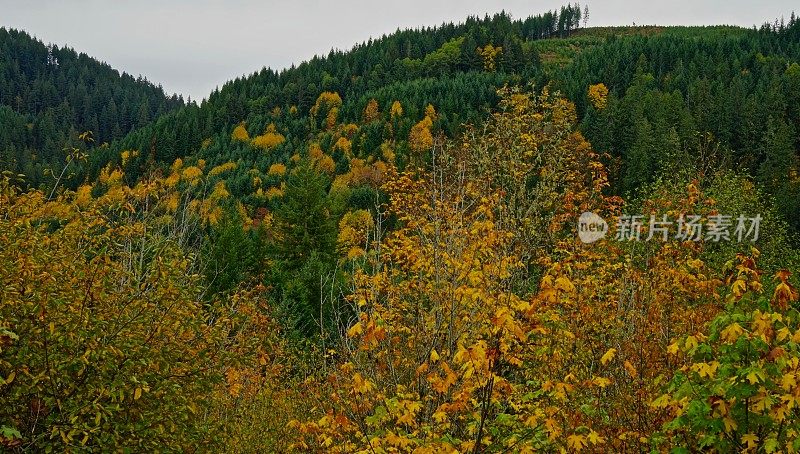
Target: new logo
591, 227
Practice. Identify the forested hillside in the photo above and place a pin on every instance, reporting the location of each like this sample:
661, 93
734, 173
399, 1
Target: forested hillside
380, 249
50, 95
680, 84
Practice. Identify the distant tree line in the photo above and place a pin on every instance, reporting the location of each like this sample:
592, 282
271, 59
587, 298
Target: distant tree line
49, 95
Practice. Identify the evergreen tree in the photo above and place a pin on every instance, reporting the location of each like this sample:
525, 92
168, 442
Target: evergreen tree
304, 249
778, 173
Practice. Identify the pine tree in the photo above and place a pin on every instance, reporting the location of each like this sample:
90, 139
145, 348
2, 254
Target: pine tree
778, 154
305, 230
585, 15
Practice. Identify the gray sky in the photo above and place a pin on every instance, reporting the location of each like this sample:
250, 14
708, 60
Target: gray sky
192, 46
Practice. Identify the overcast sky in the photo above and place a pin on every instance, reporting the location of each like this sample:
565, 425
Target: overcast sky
192, 46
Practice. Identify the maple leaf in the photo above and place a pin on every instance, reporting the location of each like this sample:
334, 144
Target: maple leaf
355, 330
788, 381
731, 333
601, 381
577, 442
440, 416
784, 293
739, 287
662, 401
750, 439
361, 385
691, 343
755, 375
706, 369
673, 348
595, 438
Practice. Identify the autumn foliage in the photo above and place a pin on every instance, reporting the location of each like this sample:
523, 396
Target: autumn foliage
444, 337
484, 328
428, 296
104, 338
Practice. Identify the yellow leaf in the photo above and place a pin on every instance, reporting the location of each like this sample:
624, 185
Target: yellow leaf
631, 370
750, 440
779, 412
137, 394
608, 356
673, 348
406, 418
595, 438
601, 381
731, 333
355, 330
576, 442
763, 402
434, 356
788, 381
730, 424
562, 283
361, 385
755, 376
662, 401
706, 369
739, 287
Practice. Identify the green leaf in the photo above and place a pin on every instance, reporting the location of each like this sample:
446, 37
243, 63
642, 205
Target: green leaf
9, 432
770, 445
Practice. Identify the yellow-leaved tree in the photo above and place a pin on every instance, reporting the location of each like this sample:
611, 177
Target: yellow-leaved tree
240, 134
105, 341
270, 139
371, 111
434, 356
598, 96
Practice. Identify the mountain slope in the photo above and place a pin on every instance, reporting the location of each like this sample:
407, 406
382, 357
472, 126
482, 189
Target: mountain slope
677, 82
416, 67
48, 95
